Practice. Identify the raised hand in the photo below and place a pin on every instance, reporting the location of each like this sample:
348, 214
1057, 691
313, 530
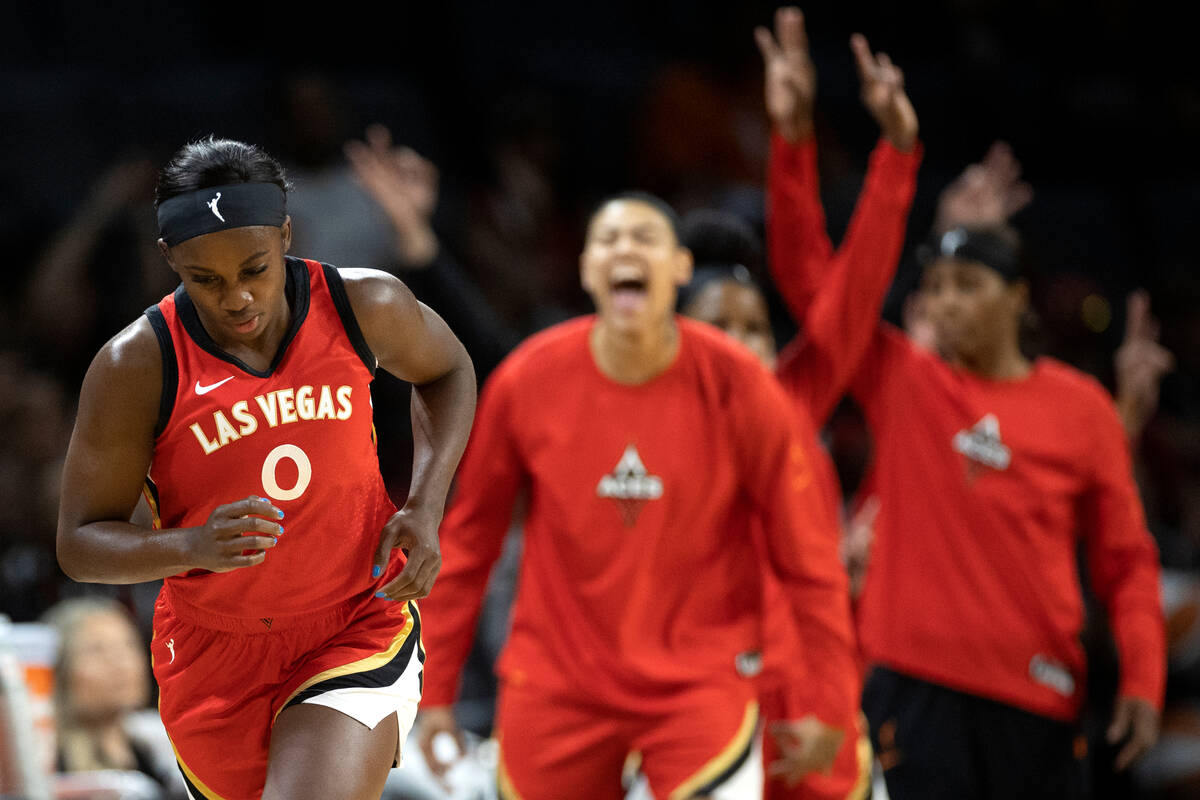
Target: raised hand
791, 79
882, 91
806, 745
987, 193
1140, 363
416, 533
236, 535
406, 187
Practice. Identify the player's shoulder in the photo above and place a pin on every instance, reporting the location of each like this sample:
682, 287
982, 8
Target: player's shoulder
1062, 377
135, 347
542, 351
1073, 388
364, 287
130, 364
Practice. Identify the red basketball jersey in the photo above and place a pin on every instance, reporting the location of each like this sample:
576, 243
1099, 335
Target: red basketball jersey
299, 434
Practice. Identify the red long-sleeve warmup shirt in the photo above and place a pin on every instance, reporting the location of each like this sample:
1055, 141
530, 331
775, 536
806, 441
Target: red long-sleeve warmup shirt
985, 488
836, 298
639, 578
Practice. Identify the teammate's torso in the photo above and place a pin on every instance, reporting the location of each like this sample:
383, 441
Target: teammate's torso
299, 433
981, 484
638, 522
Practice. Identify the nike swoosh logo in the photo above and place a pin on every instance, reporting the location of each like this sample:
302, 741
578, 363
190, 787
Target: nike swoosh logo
206, 389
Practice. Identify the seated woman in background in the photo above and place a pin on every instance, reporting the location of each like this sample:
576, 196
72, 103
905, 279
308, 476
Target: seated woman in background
102, 680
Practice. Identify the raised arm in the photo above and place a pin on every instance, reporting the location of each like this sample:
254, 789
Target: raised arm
844, 315
413, 343
105, 469
796, 232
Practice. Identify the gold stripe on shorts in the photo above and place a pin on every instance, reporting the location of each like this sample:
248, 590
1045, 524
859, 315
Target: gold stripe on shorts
736, 748
503, 782
362, 665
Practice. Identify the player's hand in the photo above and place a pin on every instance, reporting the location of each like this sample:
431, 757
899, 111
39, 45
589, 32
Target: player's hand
1141, 362
416, 533
236, 535
435, 726
806, 745
882, 91
791, 78
987, 193
406, 187
1135, 721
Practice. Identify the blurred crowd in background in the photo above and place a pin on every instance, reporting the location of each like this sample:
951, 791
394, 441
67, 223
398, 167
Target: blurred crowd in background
461, 145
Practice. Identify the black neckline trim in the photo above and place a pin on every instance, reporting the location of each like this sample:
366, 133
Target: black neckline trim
297, 291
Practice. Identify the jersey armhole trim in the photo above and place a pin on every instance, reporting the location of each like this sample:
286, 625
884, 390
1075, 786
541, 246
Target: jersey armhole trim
170, 382
341, 301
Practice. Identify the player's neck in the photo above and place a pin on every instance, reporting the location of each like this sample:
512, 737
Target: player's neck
1004, 361
634, 357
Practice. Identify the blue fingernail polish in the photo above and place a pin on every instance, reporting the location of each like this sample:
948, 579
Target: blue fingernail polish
279, 512
376, 571
379, 594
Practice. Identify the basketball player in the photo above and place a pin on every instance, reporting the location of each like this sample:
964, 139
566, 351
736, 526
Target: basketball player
286, 640
988, 467
647, 442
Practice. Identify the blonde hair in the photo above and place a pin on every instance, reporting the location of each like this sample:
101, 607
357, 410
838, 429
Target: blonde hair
77, 746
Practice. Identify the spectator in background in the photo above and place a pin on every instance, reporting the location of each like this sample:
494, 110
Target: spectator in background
369, 203
97, 271
102, 683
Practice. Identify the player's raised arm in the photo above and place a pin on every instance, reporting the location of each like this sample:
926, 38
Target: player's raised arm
106, 466
412, 342
800, 241
844, 314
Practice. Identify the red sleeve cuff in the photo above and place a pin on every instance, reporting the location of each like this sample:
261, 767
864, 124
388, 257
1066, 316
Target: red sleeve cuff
790, 157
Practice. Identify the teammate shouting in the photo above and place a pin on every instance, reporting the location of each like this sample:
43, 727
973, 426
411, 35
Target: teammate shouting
647, 444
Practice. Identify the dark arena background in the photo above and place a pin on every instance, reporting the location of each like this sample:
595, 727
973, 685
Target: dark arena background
531, 112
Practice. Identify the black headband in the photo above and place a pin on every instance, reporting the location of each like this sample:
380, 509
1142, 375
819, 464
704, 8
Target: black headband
219, 208
965, 244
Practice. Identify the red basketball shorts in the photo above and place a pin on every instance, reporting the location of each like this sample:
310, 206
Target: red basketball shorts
222, 681
553, 746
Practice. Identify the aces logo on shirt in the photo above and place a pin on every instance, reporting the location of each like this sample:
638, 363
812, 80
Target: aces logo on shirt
630, 485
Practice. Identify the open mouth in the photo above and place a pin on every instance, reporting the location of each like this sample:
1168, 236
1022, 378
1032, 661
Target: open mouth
627, 286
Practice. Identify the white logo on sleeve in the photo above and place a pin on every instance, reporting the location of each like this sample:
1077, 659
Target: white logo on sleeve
630, 485
171, 647
982, 444
206, 389
212, 205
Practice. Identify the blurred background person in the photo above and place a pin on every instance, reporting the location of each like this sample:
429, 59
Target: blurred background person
104, 720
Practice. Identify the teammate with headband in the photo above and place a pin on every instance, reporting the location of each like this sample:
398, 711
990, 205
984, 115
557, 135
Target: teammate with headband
991, 470
289, 663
